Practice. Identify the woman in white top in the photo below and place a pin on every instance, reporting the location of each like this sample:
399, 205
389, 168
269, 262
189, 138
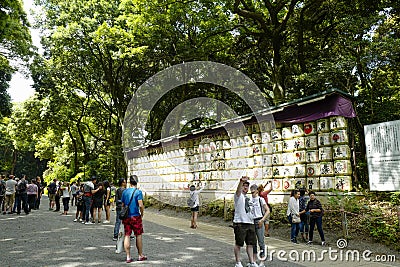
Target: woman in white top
66, 196
195, 203
293, 212
260, 214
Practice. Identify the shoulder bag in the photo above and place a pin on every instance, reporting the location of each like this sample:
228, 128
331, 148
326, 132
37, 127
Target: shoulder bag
125, 209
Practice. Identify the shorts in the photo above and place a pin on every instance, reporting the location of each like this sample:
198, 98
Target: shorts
52, 197
97, 203
9, 200
195, 209
245, 232
133, 224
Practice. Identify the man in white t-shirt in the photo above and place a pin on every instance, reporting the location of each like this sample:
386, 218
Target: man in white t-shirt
243, 223
10, 194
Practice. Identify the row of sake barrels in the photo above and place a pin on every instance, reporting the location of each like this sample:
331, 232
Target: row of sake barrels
341, 183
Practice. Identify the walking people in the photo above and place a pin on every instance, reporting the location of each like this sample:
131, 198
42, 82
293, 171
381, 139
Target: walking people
52, 189
107, 200
10, 194
243, 223
260, 214
195, 204
66, 195
134, 221
263, 192
314, 206
118, 201
304, 215
293, 215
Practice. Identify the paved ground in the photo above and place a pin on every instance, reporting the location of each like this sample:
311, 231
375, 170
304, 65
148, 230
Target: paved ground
45, 238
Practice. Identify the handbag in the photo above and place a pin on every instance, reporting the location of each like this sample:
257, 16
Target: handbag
125, 209
295, 218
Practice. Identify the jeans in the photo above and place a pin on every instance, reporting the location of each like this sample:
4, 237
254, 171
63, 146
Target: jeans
117, 224
24, 199
294, 231
65, 201
260, 238
317, 221
87, 201
304, 223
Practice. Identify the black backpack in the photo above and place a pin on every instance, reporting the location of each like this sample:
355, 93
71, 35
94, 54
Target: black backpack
21, 186
2, 189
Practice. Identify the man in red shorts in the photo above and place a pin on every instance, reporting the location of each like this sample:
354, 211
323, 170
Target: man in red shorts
134, 220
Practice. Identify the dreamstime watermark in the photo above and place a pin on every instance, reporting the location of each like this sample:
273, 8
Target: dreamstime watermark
328, 254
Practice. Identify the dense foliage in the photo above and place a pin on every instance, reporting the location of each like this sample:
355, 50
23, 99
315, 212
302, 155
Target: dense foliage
97, 53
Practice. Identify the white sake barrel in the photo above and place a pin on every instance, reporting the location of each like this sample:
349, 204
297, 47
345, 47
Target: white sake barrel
299, 156
343, 183
276, 135
326, 183
267, 148
248, 141
323, 125
267, 160
288, 184
338, 122
277, 184
257, 160
277, 172
310, 142
226, 144
312, 156
299, 143
288, 145
233, 143
219, 145
325, 153
287, 158
277, 159
310, 128
256, 138
312, 170
300, 183
297, 130
256, 173
257, 149
339, 137
300, 170
277, 146
220, 154
287, 133
313, 183
324, 139
266, 137
342, 167
341, 152
326, 168
240, 141
267, 172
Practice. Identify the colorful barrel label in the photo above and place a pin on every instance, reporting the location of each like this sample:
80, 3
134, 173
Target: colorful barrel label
312, 170
339, 137
342, 167
310, 128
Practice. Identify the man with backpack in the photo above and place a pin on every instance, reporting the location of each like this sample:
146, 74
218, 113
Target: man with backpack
52, 190
23, 196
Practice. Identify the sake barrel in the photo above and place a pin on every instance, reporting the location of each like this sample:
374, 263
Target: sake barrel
267, 172
240, 141
257, 149
342, 167
312, 156
277, 159
277, 146
343, 183
277, 172
310, 142
341, 152
299, 170
256, 138
326, 183
312, 170
277, 184
247, 140
338, 122
256, 173
310, 128
220, 154
300, 183
276, 134
287, 133
312, 183
323, 125
266, 137
339, 137
288, 145
326, 168
297, 130
218, 145
267, 160
226, 144
299, 143
324, 139
233, 143
267, 148
325, 153
299, 156
288, 184
257, 161
287, 158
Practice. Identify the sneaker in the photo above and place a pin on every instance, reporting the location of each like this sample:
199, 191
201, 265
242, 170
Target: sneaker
89, 223
309, 243
129, 260
294, 241
115, 238
83, 222
323, 243
238, 264
106, 221
75, 220
252, 264
142, 258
